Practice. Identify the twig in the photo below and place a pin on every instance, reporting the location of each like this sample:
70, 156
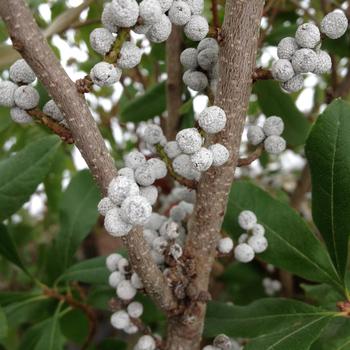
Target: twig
214, 11
261, 74
251, 158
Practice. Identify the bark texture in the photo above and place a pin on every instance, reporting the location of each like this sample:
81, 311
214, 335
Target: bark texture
31, 44
237, 63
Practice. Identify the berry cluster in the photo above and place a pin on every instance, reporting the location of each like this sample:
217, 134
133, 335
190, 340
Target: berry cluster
223, 342
302, 54
271, 286
201, 65
270, 134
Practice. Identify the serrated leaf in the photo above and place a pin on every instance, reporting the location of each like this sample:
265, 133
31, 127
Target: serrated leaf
3, 324
292, 246
273, 101
22, 173
328, 153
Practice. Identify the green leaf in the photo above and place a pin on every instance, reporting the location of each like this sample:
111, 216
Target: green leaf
3, 324
21, 174
75, 326
321, 294
261, 317
89, 271
292, 246
328, 153
152, 103
273, 101
78, 214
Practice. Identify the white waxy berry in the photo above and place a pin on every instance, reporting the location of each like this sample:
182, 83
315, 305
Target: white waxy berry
247, 219
275, 144
258, 230
197, 28
179, 13
112, 261
210, 347
141, 28
150, 193
131, 329
304, 61
223, 342
255, 135
207, 59
146, 342
188, 58
105, 74
282, 70
21, 73
323, 63
149, 235
134, 159
125, 12
107, 18
155, 221
189, 140
115, 225
184, 194
258, 243
7, 93
183, 166
225, 245
243, 238
125, 290
136, 210
187, 207
308, 35
176, 251
158, 258
177, 213
104, 205
293, 85
136, 282
26, 97
202, 159
286, 48
212, 120
244, 253
101, 40
172, 149
120, 188
120, 319
130, 56
159, 245
220, 154
144, 175
170, 229
208, 43
334, 24
273, 126
135, 309
196, 6
195, 80
160, 31
153, 134
158, 167
165, 4
20, 116
115, 278
51, 109
127, 172
150, 11
123, 265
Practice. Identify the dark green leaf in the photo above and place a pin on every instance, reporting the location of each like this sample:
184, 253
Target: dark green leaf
3, 324
322, 294
75, 326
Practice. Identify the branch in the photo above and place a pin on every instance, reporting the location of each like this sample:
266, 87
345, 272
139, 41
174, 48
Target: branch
251, 158
29, 41
261, 74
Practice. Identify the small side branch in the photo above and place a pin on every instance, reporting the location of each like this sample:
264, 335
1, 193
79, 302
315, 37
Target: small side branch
251, 158
261, 74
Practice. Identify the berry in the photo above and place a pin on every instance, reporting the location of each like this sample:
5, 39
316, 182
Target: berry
308, 35
334, 24
247, 219
258, 243
195, 80
144, 175
130, 55
323, 63
160, 31
131, 329
125, 12
125, 290
120, 319
104, 206
153, 134
159, 245
7, 92
136, 282
155, 222
115, 225
179, 13
104, 74
202, 159
123, 266
294, 84
210, 347
146, 342
274, 144
273, 126
183, 166
21, 73
158, 167
225, 245
142, 28
188, 58
20, 116
187, 207
207, 58
172, 149
150, 11
101, 40
120, 188
51, 109
197, 28
176, 251
127, 172
212, 120
136, 210
189, 140
286, 48
177, 213
220, 154
244, 253
243, 238
112, 261
258, 230
208, 43
107, 18
150, 193
282, 70
135, 309
223, 342
196, 6
304, 61
255, 135
26, 97
165, 4
115, 278
134, 159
